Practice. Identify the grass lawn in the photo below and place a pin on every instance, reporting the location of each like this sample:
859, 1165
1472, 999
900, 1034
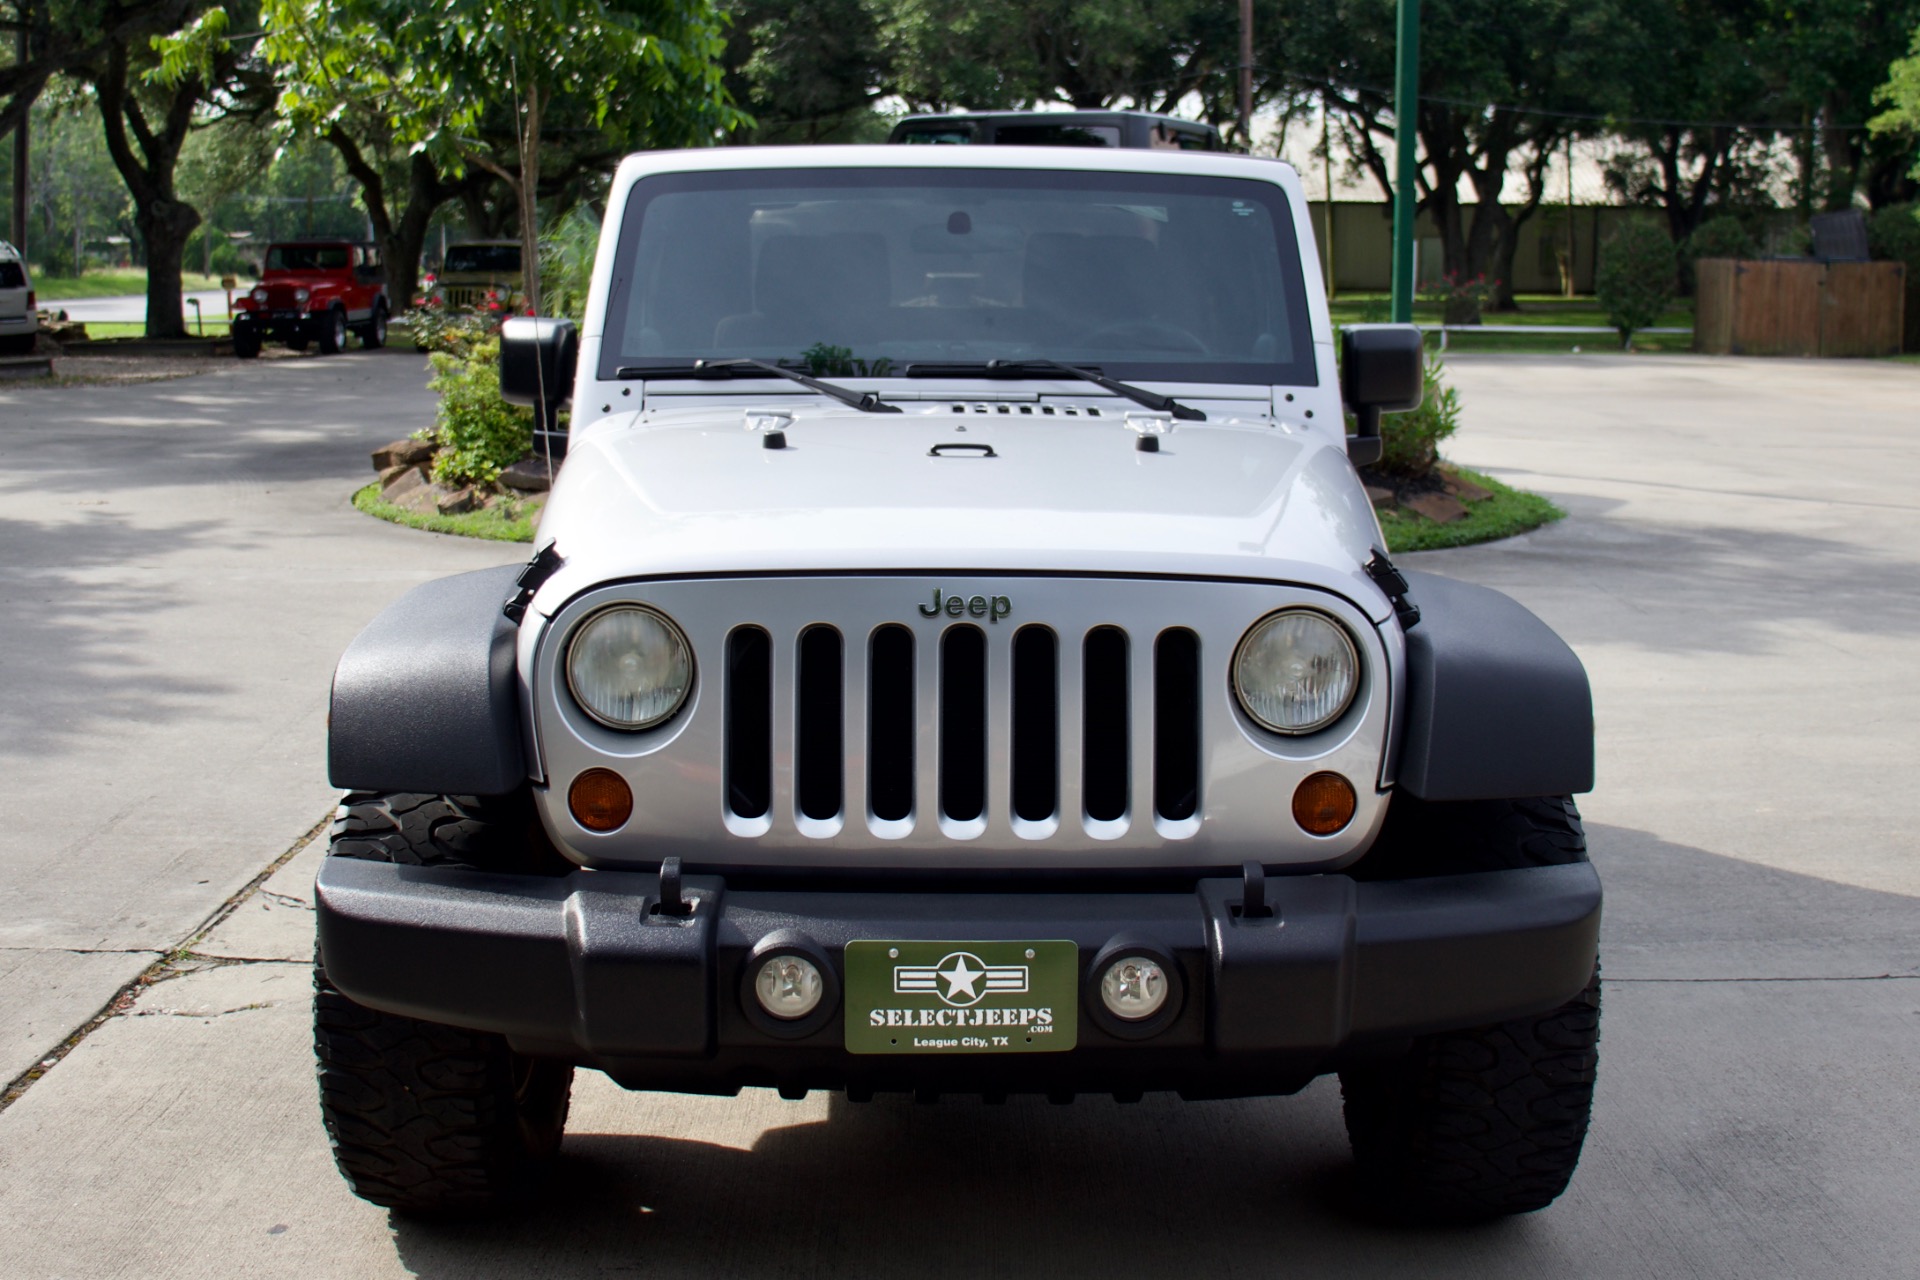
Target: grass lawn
1541, 309
1507, 513
107, 284
211, 329
493, 523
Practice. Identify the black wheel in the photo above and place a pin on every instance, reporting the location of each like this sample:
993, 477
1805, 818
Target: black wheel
298, 342
1490, 1120
246, 341
422, 1117
374, 335
430, 1119
1481, 1123
489, 833
333, 332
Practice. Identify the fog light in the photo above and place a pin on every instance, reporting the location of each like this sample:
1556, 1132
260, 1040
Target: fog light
789, 986
600, 800
1323, 803
1133, 988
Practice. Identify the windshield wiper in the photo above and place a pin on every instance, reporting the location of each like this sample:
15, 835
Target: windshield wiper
866, 402
1040, 368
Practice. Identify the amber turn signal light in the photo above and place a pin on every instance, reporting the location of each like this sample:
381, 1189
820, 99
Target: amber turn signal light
1323, 803
601, 800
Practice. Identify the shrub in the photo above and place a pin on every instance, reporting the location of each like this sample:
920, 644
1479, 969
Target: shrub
1721, 237
1894, 233
479, 434
1635, 280
1410, 442
566, 263
1461, 297
452, 331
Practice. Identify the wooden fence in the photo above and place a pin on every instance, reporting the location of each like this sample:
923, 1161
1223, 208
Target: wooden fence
1799, 307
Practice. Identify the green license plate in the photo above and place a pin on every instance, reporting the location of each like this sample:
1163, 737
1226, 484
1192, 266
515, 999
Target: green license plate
962, 997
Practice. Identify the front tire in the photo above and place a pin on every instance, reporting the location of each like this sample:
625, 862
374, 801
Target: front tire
333, 332
374, 335
429, 1119
246, 341
1486, 1121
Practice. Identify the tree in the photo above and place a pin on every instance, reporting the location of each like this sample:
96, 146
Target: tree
1502, 84
440, 64
806, 71
1900, 95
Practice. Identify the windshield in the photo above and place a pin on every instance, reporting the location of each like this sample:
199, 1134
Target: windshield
307, 257
497, 258
1146, 276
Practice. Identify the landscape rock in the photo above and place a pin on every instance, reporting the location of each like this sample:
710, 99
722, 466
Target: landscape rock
1441, 508
402, 453
394, 472
458, 502
1379, 496
1464, 489
406, 481
529, 475
423, 499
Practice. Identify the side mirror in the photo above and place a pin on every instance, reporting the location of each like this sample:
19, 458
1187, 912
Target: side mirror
538, 357
1382, 370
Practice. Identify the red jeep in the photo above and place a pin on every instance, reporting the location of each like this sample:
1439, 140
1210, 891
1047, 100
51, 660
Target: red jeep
314, 291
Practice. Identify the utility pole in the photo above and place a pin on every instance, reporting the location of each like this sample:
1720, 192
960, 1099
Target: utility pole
1246, 73
1406, 135
1326, 162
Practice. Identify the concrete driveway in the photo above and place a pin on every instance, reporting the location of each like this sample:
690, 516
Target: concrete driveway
1740, 571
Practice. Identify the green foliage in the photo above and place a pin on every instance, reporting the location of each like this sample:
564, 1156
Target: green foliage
1636, 276
1901, 97
1461, 297
1410, 442
511, 520
827, 361
1894, 233
452, 332
479, 434
1722, 237
1508, 513
566, 263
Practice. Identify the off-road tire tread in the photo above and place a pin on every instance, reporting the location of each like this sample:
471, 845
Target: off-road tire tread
1481, 1123
492, 833
422, 1117
1429, 838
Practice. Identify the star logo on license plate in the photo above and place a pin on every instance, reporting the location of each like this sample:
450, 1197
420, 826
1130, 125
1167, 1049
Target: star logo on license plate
960, 979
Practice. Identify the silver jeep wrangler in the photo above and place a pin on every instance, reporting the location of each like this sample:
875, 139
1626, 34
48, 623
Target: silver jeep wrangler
960, 657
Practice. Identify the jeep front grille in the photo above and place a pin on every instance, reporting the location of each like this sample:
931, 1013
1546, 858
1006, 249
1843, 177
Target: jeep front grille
846, 721
972, 736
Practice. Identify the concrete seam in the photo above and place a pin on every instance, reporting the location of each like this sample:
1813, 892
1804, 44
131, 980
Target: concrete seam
159, 971
1844, 977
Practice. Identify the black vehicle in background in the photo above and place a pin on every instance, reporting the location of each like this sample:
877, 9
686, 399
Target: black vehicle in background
1059, 129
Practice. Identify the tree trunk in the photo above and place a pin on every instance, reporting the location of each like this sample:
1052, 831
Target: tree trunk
165, 226
529, 194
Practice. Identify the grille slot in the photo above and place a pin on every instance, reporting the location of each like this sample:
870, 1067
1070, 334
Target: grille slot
1036, 724
963, 723
749, 712
1104, 710
819, 740
890, 724
1176, 724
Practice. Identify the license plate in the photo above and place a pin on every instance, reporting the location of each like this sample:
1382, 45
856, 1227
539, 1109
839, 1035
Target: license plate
962, 997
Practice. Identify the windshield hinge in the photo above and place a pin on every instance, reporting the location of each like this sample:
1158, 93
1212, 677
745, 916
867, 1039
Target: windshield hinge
538, 570
1394, 583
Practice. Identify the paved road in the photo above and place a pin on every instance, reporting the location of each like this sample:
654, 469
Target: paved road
132, 309
179, 569
1741, 572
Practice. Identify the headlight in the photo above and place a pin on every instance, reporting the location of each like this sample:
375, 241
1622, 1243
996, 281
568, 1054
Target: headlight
300, 295
260, 294
1296, 671
629, 668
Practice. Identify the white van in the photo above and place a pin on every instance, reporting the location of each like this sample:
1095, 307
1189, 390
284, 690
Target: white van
18, 322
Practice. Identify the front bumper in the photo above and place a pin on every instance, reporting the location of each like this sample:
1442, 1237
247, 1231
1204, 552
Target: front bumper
282, 324
577, 967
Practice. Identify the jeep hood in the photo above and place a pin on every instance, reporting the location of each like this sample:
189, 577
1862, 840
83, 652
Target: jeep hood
695, 492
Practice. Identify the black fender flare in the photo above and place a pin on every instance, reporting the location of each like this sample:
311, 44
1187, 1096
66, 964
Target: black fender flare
1498, 706
426, 698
